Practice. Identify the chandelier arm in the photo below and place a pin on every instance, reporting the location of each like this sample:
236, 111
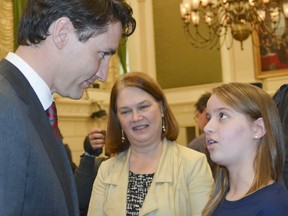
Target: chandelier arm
191, 37
197, 39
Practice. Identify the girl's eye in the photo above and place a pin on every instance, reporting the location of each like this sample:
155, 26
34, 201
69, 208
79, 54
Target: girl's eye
222, 115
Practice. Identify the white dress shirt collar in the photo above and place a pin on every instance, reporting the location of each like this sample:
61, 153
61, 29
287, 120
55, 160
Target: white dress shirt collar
38, 84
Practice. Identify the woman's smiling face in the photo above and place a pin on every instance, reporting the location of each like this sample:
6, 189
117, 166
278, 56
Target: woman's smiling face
140, 116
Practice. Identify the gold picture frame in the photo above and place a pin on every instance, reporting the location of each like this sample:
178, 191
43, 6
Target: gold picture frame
271, 55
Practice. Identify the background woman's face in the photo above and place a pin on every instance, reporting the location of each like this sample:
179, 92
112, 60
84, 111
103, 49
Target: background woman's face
140, 116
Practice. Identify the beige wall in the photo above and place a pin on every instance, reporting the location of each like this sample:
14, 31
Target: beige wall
6, 27
74, 116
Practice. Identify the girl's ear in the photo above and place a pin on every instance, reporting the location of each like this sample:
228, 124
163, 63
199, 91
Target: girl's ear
259, 128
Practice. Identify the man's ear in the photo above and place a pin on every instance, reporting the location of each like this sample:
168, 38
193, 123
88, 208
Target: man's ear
259, 128
60, 31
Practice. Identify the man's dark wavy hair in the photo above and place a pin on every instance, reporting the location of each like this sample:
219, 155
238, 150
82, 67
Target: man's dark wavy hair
89, 18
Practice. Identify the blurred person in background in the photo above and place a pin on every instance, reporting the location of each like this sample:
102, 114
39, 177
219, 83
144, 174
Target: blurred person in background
87, 170
199, 143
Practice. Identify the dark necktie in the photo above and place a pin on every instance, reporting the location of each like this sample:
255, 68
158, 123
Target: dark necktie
52, 115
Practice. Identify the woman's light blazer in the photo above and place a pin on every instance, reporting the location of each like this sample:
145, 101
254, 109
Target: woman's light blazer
180, 187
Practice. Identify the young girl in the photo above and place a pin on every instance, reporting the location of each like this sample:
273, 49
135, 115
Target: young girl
244, 136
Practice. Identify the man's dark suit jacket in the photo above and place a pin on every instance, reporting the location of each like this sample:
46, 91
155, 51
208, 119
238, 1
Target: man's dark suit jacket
281, 100
35, 174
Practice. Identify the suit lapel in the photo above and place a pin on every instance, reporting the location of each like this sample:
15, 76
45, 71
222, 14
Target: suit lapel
54, 148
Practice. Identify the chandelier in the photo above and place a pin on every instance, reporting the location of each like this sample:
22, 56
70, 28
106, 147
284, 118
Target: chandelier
208, 22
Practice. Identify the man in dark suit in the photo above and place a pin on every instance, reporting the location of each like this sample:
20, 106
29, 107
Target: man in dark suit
64, 46
281, 100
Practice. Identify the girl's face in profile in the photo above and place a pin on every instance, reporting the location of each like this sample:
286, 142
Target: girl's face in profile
140, 116
230, 135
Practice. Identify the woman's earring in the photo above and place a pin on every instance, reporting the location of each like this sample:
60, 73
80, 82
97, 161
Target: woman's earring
163, 125
122, 137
